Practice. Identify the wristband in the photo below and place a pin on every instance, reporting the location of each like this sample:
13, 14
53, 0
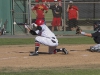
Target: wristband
83, 33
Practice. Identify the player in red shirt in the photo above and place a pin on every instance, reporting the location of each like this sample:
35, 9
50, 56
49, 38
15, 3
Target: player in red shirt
39, 10
73, 15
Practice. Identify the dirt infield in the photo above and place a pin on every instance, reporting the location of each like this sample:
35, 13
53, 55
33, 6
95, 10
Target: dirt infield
18, 56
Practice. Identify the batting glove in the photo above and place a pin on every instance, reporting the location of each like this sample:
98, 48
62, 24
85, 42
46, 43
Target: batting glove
26, 26
33, 24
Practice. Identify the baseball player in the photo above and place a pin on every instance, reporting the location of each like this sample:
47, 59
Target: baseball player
95, 35
44, 36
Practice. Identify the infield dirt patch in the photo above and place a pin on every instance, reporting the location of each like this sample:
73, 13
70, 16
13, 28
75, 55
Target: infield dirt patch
18, 56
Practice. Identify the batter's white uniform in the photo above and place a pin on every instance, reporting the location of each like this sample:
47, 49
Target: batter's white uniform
47, 37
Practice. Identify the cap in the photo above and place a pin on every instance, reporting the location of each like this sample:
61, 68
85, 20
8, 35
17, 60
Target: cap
70, 1
55, 0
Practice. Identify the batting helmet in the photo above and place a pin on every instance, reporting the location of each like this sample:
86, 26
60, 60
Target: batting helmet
39, 22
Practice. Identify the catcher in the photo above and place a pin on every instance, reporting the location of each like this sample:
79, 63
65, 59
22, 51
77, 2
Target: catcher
95, 36
45, 37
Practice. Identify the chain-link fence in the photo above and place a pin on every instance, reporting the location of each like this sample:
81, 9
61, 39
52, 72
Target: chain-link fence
20, 15
88, 13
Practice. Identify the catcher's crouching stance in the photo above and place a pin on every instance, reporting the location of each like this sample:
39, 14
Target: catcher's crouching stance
44, 36
95, 35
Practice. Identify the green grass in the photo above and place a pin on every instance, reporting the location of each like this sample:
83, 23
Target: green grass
16, 41
55, 71
79, 40
21, 41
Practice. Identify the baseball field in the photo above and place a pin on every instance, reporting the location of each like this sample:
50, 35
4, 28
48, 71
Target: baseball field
15, 59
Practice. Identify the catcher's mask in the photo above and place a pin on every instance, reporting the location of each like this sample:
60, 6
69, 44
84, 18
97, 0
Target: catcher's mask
39, 22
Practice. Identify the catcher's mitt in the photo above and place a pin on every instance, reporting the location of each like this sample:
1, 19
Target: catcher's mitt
78, 30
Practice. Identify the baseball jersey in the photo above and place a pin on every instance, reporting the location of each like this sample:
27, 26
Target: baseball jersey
96, 37
54, 9
72, 13
46, 37
40, 10
45, 32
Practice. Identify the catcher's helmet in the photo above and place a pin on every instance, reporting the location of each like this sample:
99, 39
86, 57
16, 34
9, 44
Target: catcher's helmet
97, 25
39, 22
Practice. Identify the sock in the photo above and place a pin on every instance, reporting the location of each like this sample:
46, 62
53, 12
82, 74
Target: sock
37, 45
36, 49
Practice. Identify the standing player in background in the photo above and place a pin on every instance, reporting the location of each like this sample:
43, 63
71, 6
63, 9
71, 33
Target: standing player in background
40, 10
73, 15
57, 13
46, 37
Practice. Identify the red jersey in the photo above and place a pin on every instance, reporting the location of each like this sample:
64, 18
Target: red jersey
72, 13
40, 10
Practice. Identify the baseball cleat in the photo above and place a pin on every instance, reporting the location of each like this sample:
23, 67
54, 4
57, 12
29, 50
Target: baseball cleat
64, 50
34, 54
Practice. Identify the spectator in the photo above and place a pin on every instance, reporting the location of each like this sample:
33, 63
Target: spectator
57, 11
73, 15
39, 10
